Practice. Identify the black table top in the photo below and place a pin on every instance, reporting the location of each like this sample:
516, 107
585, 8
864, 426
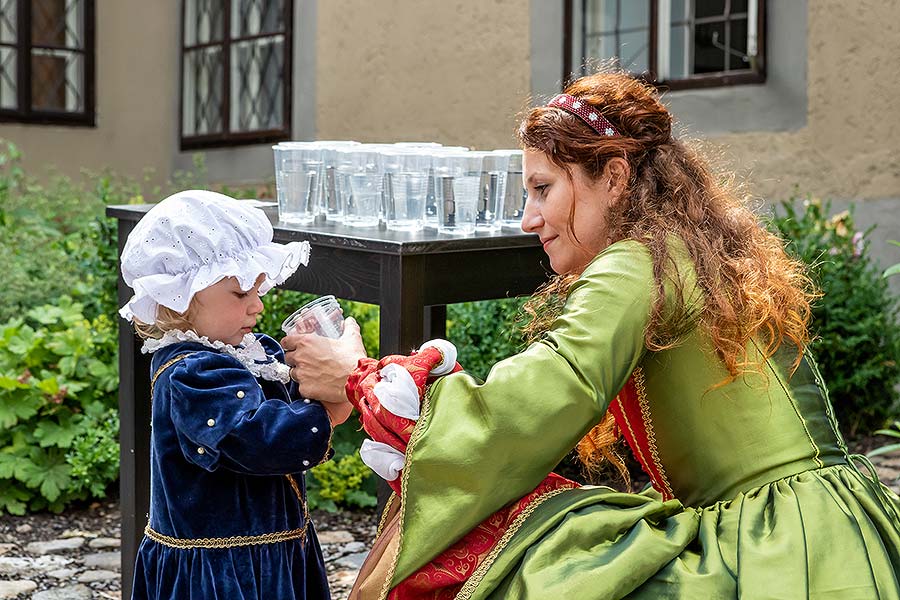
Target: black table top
370, 239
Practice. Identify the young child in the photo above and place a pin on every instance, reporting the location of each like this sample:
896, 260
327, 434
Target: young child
230, 438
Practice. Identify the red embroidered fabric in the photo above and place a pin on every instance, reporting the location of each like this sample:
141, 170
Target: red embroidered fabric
443, 577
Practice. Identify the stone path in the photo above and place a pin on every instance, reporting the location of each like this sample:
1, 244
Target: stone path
75, 556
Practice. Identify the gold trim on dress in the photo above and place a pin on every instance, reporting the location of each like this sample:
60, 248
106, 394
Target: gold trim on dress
648, 425
413, 439
384, 513
165, 366
229, 542
478, 574
637, 443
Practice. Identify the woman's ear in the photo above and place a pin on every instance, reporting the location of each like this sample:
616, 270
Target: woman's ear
616, 174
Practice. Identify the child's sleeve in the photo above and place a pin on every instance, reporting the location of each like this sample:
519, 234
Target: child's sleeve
223, 419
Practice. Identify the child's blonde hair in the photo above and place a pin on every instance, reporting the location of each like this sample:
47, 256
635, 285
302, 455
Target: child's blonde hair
167, 319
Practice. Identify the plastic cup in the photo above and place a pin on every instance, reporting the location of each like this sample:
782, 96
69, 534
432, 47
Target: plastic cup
360, 177
406, 188
323, 316
457, 185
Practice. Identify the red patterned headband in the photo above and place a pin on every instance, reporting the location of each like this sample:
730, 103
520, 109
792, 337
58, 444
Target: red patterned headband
585, 112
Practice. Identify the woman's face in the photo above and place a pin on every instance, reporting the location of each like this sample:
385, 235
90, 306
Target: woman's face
551, 196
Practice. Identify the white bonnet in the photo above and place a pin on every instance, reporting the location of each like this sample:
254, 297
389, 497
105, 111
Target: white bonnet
193, 239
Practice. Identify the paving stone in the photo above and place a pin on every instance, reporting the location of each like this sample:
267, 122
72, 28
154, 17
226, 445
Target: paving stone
25, 528
69, 592
6, 548
97, 575
334, 537
346, 577
352, 561
55, 546
104, 560
353, 548
13, 565
105, 542
62, 573
11, 589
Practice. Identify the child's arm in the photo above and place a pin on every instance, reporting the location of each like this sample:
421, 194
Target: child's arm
222, 419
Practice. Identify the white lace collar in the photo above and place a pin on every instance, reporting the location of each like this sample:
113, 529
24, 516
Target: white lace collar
249, 352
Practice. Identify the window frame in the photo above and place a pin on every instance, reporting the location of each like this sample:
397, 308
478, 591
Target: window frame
227, 138
24, 48
721, 79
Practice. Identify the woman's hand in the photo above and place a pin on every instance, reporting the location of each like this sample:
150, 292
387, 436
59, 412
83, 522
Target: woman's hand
338, 412
321, 365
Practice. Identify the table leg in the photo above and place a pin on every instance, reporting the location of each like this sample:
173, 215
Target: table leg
436, 321
134, 434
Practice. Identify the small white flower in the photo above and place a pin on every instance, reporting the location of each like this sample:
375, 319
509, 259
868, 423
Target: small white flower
577, 104
592, 116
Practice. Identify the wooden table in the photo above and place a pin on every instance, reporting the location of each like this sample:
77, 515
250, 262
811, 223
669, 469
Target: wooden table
411, 276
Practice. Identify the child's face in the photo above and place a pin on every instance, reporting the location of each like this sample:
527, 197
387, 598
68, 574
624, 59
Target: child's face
225, 312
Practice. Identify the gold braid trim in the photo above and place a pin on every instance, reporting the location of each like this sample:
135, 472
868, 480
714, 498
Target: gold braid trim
165, 366
648, 425
384, 513
469, 588
229, 542
300, 497
413, 440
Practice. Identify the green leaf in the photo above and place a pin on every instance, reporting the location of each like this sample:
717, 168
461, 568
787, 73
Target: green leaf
16, 406
8, 383
48, 471
49, 386
884, 450
13, 498
58, 433
892, 270
361, 498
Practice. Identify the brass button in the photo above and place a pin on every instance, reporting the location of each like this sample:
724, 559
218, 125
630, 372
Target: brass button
240, 394
201, 450
211, 422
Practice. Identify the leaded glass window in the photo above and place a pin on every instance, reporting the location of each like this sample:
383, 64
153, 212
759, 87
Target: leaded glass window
47, 61
676, 43
236, 75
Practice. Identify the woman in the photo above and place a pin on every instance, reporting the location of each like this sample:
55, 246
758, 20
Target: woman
671, 286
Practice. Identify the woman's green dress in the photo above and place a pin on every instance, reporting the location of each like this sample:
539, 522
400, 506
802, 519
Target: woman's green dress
767, 503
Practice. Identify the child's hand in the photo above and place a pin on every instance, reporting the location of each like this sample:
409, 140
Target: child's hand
338, 412
321, 365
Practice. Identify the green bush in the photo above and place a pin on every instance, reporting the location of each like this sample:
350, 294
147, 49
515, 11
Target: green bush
343, 480
58, 377
857, 338
484, 332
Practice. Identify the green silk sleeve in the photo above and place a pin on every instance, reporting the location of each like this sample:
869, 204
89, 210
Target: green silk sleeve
479, 446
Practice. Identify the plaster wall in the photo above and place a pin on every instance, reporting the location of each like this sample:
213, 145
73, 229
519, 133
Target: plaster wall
136, 99
451, 71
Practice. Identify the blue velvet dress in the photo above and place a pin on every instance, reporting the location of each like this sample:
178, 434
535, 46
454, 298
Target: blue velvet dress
228, 450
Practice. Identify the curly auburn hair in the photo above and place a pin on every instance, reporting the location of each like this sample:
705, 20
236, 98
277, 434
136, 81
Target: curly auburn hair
751, 289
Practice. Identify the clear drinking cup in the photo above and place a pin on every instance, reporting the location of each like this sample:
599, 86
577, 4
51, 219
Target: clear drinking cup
298, 177
360, 177
457, 181
406, 176
494, 170
323, 316
514, 196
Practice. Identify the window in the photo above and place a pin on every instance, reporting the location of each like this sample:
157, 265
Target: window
236, 72
675, 43
47, 61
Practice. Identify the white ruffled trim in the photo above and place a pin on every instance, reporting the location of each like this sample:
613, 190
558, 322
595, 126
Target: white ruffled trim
448, 354
175, 291
381, 458
249, 352
397, 392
